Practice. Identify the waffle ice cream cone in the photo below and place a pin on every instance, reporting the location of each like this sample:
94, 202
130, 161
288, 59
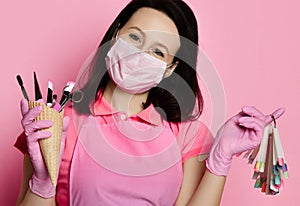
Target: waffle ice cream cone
50, 147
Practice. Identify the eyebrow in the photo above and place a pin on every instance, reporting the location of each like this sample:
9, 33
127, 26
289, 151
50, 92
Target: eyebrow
143, 34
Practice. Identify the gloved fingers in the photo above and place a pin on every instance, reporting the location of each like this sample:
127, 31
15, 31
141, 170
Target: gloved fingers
41, 134
253, 124
31, 115
40, 101
37, 125
236, 117
277, 113
255, 139
24, 106
253, 112
249, 119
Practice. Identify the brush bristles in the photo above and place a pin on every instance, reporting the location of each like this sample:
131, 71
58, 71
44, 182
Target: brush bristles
19, 79
50, 85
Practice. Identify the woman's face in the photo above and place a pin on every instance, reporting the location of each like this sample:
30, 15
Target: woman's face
153, 32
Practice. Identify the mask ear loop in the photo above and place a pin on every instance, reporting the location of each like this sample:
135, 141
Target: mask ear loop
117, 34
170, 65
169, 70
115, 37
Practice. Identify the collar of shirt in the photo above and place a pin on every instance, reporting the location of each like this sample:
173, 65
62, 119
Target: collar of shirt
150, 115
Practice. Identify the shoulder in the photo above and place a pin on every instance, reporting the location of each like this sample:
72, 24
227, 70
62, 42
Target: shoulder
193, 137
190, 128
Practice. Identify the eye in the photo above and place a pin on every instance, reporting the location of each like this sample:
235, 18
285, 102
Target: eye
158, 52
135, 38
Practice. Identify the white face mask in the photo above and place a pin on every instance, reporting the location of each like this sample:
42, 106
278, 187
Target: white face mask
133, 70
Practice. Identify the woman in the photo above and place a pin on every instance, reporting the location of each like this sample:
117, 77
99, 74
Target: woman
139, 141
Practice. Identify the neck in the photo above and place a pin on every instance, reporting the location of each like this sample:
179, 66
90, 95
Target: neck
123, 101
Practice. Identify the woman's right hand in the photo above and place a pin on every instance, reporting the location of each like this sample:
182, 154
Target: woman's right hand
40, 182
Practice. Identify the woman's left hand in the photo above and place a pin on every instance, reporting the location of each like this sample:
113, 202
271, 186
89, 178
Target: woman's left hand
240, 133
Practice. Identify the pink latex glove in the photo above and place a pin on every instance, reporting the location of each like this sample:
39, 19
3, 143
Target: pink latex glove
40, 182
240, 133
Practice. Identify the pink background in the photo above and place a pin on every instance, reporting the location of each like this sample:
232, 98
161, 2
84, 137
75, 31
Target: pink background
253, 45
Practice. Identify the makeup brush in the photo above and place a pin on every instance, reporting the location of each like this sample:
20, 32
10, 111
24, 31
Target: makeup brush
38, 94
20, 81
67, 90
49, 94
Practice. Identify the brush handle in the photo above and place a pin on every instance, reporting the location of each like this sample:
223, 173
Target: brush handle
25, 93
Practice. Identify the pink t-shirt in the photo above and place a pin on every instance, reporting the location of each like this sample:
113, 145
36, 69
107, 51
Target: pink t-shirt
146, 135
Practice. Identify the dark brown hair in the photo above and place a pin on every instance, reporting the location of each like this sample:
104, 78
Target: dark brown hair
177, 98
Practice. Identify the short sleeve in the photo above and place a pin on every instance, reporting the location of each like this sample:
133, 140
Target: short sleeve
21, 143
194, 139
